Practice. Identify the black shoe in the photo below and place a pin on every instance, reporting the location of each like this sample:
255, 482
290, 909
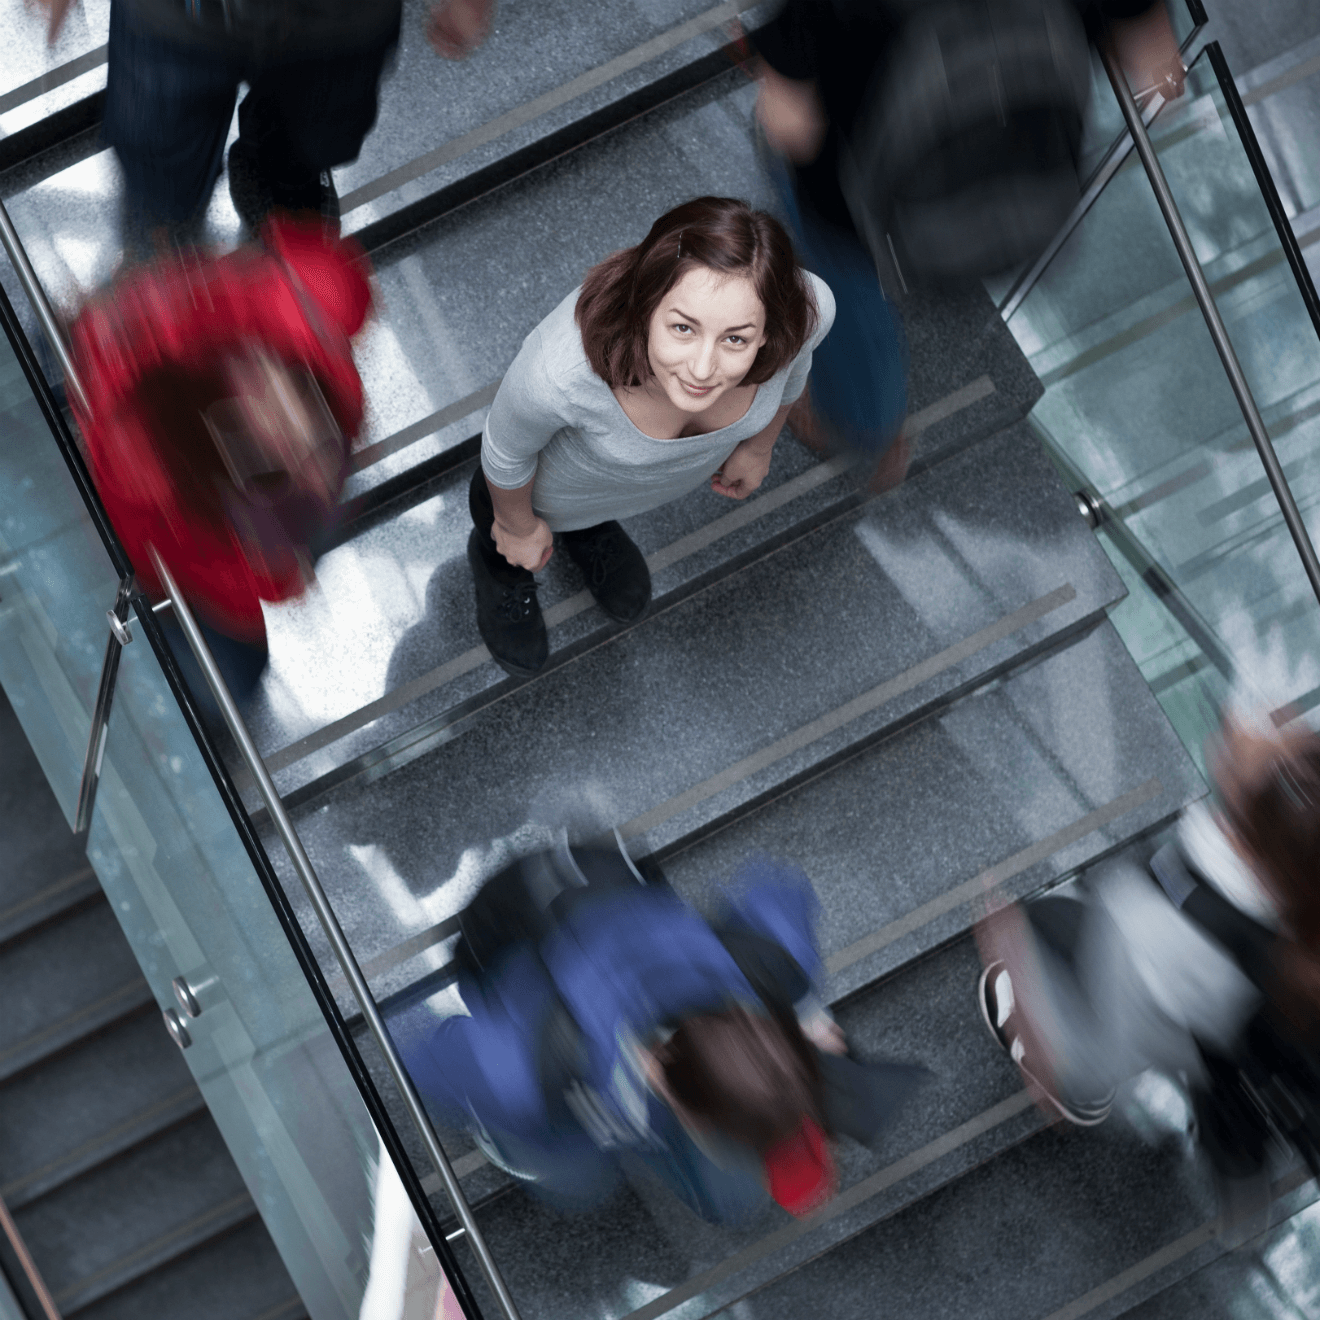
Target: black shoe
508, 617
614, 567
255, 195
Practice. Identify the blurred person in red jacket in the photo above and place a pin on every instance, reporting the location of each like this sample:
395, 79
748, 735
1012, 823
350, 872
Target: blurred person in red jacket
222, 400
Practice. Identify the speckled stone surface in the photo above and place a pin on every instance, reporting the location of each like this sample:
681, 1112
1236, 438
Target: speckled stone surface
931, 808
692, 690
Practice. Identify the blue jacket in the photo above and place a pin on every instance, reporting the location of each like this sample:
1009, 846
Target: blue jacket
624, 966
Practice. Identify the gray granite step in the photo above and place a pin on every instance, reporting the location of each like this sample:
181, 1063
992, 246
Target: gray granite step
63, 983
235, 1277
184, 1190
56, 1127
1024, 781
762, 679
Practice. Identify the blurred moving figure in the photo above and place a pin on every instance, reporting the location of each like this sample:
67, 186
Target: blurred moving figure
1206, 966
312, 67
223, 398
674, 364
608, 1019
930, 142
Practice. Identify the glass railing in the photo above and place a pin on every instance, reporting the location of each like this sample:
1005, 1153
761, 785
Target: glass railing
196, 894
1139, 412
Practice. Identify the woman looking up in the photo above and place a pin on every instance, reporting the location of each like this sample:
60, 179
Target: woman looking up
674, 364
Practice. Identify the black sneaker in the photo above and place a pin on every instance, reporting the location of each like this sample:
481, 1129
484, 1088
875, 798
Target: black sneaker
508, 617
998, 1009
614, 567
255, 196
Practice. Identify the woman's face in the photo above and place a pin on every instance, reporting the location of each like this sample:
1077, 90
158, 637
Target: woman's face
704, 337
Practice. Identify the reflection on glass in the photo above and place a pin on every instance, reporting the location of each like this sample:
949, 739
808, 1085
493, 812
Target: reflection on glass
192, 905
1136, 402
56, 584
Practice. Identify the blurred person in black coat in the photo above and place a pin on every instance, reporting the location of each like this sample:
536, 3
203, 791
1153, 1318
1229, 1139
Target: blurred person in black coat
819, 66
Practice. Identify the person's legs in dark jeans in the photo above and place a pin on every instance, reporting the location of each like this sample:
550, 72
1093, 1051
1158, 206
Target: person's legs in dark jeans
167, 113
508, 613
241, 665
299, 119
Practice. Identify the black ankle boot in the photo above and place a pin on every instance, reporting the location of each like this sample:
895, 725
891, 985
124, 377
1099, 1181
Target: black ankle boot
508, 617
614, 567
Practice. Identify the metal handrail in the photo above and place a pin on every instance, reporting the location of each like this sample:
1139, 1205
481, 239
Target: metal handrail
1117, 152
1218, 333
27, 277
334, 933
29, 1266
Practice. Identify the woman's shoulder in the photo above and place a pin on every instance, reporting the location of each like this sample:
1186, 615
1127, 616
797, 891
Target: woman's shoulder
825, 307
556, 351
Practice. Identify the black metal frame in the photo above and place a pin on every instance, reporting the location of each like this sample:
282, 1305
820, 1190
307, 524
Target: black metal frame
1265, 182
238, 814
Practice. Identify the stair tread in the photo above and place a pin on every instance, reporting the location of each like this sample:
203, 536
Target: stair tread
61, 982
239, 1276
183, 1188
899, 829
58, 1126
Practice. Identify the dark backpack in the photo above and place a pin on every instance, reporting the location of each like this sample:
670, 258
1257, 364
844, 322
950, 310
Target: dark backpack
963, 161
1273, 1073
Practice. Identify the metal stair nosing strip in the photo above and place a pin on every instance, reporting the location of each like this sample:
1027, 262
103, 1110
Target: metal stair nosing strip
129, 998
147, 1123
162, 1249
743, 516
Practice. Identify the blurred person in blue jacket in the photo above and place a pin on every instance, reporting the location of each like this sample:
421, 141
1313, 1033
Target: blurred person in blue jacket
609, 1019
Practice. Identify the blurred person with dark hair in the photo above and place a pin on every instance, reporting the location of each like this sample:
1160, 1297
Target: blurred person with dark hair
609, 1020
312, 68
929, 143
1204, 966
222, 401
672, 366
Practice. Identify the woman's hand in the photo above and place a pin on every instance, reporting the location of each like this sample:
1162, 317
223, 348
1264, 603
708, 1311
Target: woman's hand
530, 550
743, 471
56, 11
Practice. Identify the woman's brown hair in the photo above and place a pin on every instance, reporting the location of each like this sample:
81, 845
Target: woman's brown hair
1278, 819
752, 1077
620, 295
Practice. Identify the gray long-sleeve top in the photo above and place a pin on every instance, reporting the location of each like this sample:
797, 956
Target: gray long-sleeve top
556, 420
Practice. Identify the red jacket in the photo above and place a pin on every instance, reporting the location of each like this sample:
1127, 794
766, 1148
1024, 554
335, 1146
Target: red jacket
299, 298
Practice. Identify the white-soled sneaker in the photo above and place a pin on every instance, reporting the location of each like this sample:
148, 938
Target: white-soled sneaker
995, 995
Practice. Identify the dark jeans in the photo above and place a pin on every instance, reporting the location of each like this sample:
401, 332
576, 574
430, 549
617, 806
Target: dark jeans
859, 371
241, 665
483, 519
168, 106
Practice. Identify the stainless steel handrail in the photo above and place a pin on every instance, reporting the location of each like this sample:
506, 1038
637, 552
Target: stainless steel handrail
334, 933
1119, 150
36, 295
1223, 344
28, 1265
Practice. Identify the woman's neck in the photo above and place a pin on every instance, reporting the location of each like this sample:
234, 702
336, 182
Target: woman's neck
653, 413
